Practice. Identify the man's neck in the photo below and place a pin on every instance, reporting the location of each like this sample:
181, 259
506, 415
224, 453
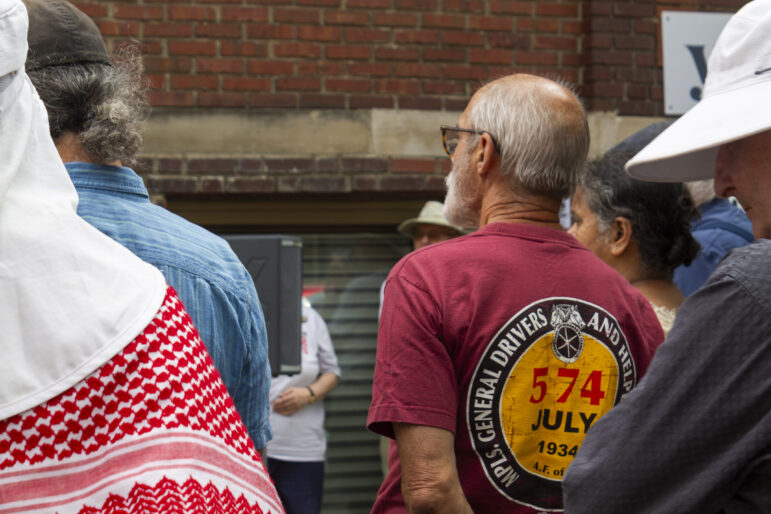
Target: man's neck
527, 210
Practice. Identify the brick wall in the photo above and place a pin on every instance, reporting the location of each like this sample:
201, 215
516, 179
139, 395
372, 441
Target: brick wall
245, 56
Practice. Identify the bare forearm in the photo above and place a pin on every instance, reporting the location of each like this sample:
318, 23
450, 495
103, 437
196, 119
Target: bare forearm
324, 384
430, 480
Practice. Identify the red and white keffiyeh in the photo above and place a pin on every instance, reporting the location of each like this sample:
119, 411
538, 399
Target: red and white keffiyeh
152, 430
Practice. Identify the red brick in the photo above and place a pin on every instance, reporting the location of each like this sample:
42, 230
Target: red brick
298, 84
243, 49
270, 31
511, 7
194, 82
609, 25
138, 12
371, 102
171, 98
397, 54
364, 184
324, 3
413, 165
444, 54
597, 8
402, 184
327, 165
269, 2
445, 21
475, 6
376, 69
192, 47
172, 185
211, 166
417, 70
538, 24
191, 13
634, 42
229, 99
634, 10
273, 101
477, 56
499, 40
489, 23
366, 35
165, 65
245, 84
294, 165
369, 4
293, 49
348, 52
348, 85
219, 65
167, 29
250, 166
636, 91
465, 72
395, 19
423, 5
218, 30
420, 103
572, 27
112, 28
169, 165
320, 68
270, 67
646, 27
562, 10
250, 14
318, 33
568, 59
296, 16
346, 18
612, 57
644, 75
335, 184
322, 101
400, 87
364, 165
444, 88
555, 43
149, 47
155, 81
535, 58
250, 184
455, 37
425, 37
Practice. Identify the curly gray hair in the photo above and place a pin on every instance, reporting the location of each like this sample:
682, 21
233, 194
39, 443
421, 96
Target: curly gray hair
104, 106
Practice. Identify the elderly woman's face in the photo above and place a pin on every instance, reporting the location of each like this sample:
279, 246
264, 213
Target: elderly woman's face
584, 227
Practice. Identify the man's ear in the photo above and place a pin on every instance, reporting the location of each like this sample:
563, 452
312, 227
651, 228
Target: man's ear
621, 235
485, 154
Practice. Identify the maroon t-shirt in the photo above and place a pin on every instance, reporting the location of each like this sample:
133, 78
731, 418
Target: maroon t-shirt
516, 339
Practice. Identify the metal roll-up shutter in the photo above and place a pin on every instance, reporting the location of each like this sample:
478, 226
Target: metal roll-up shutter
342, 275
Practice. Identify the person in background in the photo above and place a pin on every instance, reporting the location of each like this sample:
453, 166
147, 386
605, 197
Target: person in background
695, 435
498, 350
720, 227
296, 453
641, 229
96, 109
109, 401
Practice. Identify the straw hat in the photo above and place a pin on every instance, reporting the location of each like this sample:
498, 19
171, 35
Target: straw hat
430, 214
736, 103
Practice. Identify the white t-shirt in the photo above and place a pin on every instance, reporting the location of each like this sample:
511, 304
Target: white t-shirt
300, 437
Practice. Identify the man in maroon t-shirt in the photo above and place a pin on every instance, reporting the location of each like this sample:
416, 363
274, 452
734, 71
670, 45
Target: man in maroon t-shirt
498, 350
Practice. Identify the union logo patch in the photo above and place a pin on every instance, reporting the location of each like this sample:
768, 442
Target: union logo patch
546, 377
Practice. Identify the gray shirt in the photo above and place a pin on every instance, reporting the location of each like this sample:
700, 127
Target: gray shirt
695, 434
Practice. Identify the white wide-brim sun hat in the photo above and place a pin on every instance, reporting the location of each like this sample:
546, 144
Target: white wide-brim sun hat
736, 103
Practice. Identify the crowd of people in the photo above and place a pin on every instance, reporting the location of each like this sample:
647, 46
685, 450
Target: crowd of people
619, 365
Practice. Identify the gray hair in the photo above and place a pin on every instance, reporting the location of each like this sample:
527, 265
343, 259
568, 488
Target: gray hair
105, 106
542, 148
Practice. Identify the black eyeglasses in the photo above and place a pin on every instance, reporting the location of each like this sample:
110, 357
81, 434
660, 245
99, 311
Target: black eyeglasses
451, 137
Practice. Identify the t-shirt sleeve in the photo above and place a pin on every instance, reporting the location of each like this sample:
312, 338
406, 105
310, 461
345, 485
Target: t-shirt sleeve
326, 352
682, 439
415, 380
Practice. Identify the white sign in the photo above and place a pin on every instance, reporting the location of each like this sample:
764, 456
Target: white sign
687, 40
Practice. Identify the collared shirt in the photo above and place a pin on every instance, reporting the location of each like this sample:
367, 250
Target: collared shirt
215, 287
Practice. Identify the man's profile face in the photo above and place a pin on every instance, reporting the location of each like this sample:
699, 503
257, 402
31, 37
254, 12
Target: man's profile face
426, 234
743, 170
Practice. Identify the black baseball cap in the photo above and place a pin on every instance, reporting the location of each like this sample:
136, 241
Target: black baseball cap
60, 34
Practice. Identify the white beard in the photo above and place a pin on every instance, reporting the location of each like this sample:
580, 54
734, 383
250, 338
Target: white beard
462, 202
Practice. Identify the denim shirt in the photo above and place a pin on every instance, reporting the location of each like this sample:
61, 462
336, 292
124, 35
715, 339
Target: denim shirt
216, 289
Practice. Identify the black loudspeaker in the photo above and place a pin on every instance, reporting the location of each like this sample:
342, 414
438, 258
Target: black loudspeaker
275, 264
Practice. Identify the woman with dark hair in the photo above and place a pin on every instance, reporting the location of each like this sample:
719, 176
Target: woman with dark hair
641, 229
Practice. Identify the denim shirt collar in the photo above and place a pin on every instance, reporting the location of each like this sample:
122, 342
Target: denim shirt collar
114, 179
